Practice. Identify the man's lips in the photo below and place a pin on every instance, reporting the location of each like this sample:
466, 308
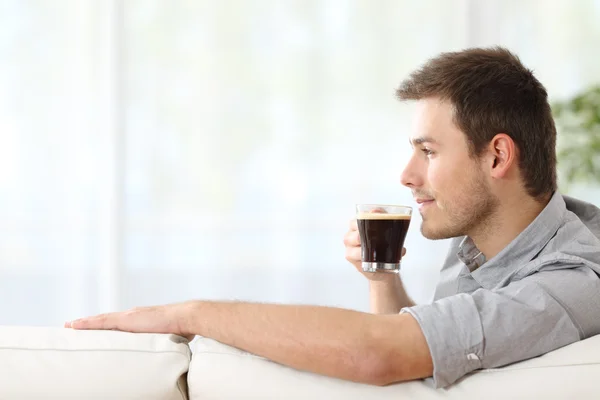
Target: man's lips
423, 202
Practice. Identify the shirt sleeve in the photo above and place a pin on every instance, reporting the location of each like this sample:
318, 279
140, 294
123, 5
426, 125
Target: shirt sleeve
493, 328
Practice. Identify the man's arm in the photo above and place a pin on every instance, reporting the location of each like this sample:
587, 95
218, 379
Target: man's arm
491, 328
346, 344
387, 295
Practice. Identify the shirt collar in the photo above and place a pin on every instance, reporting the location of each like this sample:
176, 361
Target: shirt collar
470, 255
519, 252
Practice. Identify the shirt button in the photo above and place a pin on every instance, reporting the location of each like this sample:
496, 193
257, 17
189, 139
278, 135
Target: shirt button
472, 357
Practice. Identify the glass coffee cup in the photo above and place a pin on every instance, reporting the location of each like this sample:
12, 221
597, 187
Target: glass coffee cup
382, 229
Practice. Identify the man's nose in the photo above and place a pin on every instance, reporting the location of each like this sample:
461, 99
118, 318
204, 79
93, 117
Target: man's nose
411, 177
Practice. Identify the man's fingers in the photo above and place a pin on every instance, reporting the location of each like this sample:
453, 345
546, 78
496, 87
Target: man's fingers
102, 321
353, 225
353, 254
403, 251
352, 239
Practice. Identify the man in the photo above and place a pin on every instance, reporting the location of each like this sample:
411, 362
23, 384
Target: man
522, 275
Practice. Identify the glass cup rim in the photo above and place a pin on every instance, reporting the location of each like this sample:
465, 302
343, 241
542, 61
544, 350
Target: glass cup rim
392, 209
382, 205
374, 205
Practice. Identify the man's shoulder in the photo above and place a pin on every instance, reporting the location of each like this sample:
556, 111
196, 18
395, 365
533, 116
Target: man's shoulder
579, 234
587, 213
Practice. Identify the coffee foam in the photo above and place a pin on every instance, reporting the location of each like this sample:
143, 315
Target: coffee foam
379, 215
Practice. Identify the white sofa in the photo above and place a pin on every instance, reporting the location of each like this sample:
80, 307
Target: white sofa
57, 363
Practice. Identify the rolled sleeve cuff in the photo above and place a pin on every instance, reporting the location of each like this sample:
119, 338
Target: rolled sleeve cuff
452, 328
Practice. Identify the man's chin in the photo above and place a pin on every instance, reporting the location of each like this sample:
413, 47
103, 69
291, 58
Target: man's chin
433, 234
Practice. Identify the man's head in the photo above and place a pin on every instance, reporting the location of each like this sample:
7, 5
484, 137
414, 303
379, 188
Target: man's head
484, 133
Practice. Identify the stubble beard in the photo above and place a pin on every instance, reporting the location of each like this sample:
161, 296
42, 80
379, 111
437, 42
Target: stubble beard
472, 212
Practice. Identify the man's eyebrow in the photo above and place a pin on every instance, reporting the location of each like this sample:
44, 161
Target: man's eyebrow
421, 140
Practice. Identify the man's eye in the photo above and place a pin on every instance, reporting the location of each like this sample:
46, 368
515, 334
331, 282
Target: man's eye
427, 151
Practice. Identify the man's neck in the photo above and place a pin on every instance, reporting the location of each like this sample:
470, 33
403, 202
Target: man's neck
510, 219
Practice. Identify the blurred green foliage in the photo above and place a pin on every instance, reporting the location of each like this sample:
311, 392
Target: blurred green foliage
578, 124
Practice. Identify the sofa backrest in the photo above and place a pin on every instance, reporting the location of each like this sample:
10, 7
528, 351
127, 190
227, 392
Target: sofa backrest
221, 372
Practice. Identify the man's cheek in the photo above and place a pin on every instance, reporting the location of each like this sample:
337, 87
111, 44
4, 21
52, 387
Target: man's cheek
437, 178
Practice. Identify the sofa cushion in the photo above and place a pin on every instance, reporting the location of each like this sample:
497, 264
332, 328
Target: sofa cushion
222, 372
59, 363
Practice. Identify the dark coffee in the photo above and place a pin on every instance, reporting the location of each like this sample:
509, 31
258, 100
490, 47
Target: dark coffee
382, 236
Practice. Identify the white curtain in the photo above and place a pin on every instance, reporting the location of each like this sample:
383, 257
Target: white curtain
155, 151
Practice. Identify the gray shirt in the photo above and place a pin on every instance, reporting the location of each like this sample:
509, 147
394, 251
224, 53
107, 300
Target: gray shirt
541, 292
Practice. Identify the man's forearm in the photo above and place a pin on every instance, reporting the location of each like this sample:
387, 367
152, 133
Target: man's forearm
387, 296
336, 342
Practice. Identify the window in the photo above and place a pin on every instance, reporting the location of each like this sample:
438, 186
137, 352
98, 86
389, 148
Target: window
158, 151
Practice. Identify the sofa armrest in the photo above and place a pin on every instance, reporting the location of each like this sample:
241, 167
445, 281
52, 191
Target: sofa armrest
59, 363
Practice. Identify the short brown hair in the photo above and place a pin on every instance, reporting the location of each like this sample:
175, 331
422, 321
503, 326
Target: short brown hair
492, 92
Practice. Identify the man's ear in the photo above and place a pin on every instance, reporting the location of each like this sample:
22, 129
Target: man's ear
502, 154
